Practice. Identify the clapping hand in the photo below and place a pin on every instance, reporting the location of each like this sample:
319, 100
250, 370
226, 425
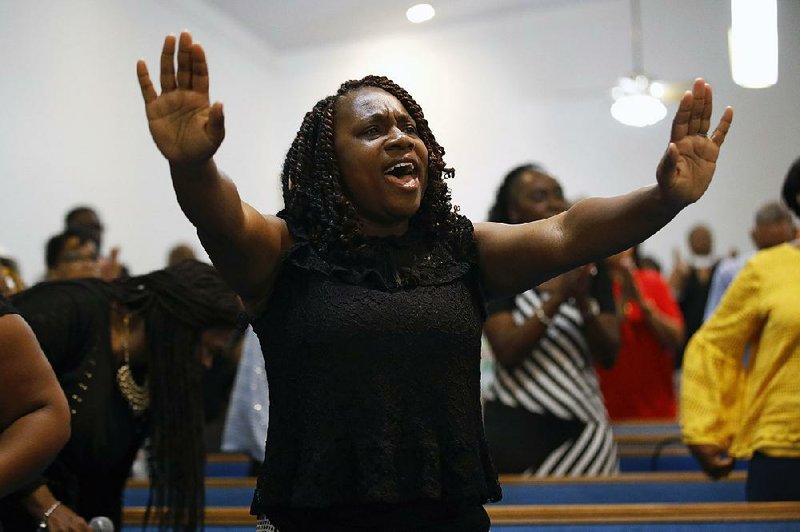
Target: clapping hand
685, 171
625, 269
713, 459
184, 126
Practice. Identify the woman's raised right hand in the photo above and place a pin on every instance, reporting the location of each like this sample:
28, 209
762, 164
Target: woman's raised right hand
184, 126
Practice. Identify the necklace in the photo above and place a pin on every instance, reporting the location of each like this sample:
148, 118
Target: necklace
138, 396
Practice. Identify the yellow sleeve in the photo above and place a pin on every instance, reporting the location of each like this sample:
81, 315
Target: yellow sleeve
713, 369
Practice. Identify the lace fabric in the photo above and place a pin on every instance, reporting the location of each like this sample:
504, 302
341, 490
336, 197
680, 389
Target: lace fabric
374, 379
388, 263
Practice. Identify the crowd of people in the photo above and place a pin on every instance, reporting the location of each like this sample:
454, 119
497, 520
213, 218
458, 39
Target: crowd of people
357, 394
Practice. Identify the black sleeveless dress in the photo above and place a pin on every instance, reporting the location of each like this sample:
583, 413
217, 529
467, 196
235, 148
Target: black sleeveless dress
374, 379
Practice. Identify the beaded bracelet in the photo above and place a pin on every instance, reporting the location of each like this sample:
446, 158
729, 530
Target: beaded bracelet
47, 514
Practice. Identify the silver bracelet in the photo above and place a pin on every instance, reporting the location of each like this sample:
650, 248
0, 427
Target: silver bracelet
47, 514
544, 318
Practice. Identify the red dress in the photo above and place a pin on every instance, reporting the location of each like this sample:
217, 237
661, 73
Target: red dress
640, 384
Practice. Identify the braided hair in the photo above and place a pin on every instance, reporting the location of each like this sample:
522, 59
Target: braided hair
177, 305
312, 184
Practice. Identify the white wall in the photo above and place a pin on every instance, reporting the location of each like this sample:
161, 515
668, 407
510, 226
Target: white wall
528, 86
73, 128
535, 86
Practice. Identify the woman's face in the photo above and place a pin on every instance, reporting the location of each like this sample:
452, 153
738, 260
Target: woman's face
382, 160
535, 196
77, 261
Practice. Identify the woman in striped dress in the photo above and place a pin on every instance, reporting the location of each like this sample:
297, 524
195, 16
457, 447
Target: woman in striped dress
544, 413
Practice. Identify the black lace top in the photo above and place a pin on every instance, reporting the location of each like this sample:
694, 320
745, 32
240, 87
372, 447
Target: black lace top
374, 379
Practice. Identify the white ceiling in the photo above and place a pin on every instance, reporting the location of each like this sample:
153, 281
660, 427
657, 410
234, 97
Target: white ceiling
291, 24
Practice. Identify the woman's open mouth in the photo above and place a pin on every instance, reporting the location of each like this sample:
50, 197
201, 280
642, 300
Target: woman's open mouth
404, 175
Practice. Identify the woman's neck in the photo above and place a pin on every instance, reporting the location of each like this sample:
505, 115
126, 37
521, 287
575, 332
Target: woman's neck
381, 230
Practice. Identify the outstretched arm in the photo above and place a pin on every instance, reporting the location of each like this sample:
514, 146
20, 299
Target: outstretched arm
516, 257
243, 244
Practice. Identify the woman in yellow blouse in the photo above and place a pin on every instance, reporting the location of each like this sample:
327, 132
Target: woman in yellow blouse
732, 409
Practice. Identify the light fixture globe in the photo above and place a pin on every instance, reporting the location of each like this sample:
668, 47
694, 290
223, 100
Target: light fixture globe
635, 103
637, 98
420, 13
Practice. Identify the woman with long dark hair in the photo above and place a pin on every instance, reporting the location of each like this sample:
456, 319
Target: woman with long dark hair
368, 292
129, 357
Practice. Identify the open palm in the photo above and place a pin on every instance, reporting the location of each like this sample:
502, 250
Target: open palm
685, 171
184, 126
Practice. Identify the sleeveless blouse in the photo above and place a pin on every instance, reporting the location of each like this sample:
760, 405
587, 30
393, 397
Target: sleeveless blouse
374, 378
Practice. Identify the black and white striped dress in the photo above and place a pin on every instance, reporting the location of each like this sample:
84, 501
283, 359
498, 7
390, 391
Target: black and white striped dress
557, 380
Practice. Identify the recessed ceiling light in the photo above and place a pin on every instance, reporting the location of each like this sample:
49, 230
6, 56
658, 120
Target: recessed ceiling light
420, 13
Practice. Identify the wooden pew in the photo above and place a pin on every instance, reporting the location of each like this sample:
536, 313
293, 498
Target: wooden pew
646, 433
227, 465
638, 437
622, 478
640, 426
663, 487
635, 456
764, 516
673, 487
672, 458
654, 445
664, 476
728, 512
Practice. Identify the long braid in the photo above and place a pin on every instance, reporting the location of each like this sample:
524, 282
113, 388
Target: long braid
312, 187
176, 439
178, 304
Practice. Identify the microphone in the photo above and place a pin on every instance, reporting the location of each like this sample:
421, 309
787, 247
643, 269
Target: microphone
101, 524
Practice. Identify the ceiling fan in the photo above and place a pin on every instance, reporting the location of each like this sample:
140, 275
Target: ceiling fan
638, 97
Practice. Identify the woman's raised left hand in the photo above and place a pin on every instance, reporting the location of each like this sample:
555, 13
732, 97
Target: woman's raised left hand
685, 171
